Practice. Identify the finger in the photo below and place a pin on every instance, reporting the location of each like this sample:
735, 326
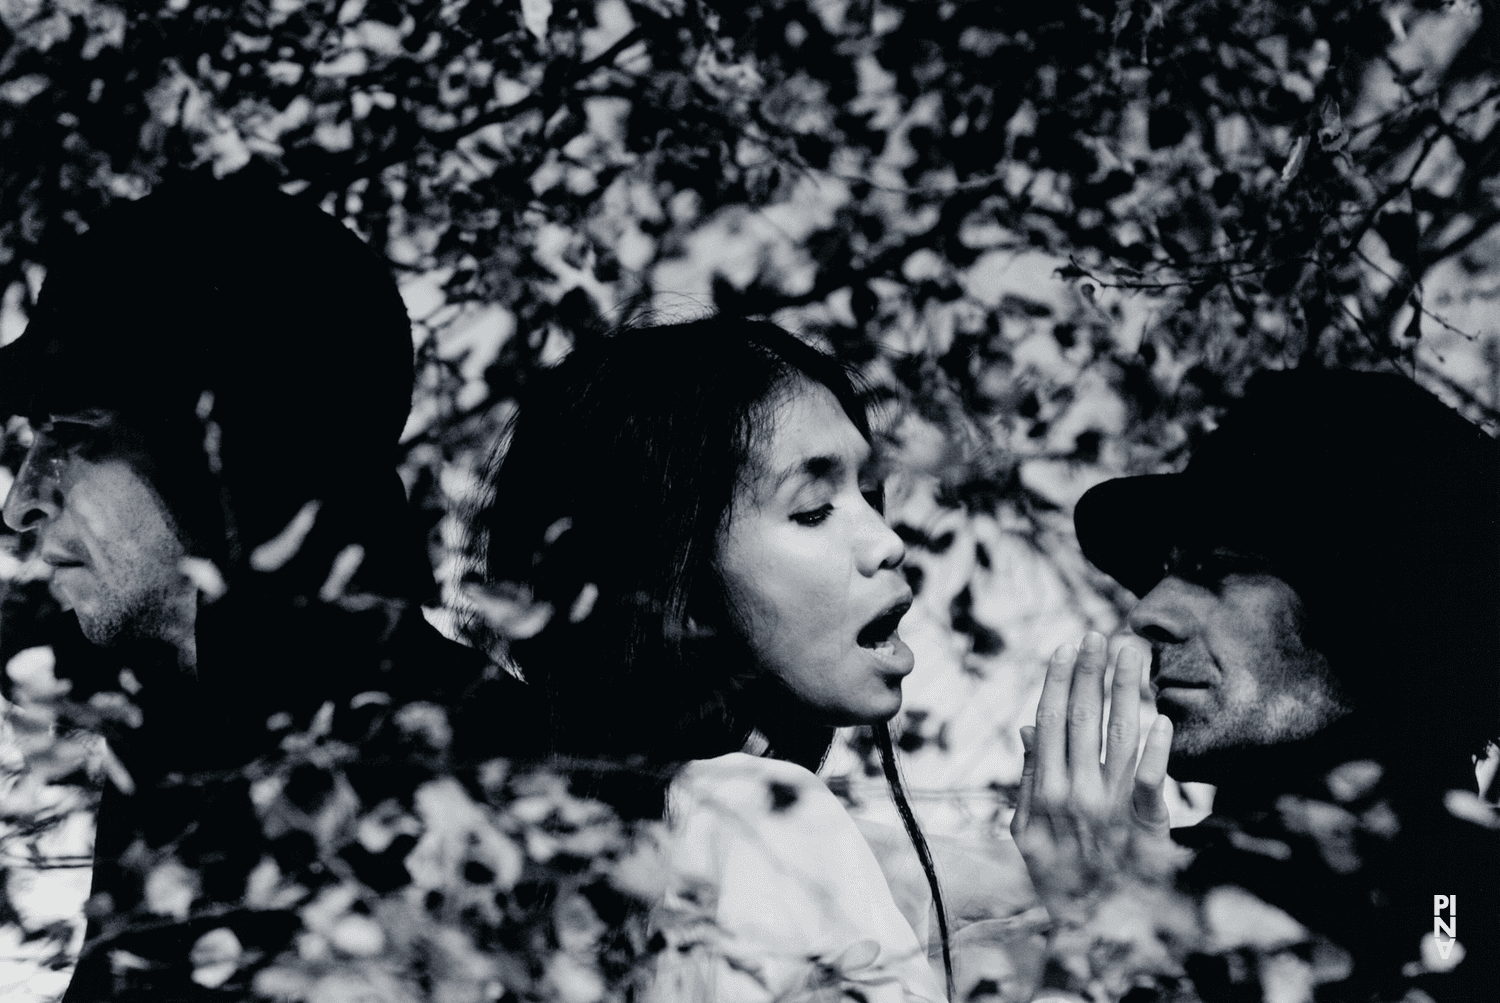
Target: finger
1022, 817
1124, 732
1050, 743
1086, 715
1151, 776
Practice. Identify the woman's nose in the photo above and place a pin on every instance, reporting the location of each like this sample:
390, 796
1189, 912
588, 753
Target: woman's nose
881, 548
35, 495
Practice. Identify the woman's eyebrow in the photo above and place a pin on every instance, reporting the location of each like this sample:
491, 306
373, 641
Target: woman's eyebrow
827, 467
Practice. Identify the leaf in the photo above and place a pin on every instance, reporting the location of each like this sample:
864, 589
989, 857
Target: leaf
584, 604
1294, 158
574, 982
536, 13
205, 576
1471, 808
115, 770
1332, 135
1353, 780
514, 617
357, 935
427, 721
32, 672
215, 957
170, 890
339, 575
277, 551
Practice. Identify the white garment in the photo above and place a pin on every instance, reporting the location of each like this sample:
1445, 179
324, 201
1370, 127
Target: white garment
776, 895
997, 925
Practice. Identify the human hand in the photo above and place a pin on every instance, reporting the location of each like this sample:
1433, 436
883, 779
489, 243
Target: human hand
1079, 823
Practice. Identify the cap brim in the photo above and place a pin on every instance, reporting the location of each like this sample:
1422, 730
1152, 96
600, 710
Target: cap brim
1127, 526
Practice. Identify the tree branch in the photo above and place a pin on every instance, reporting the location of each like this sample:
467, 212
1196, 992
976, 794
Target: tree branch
448, 138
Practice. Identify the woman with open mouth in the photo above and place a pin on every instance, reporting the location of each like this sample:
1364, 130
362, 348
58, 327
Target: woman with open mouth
695, 505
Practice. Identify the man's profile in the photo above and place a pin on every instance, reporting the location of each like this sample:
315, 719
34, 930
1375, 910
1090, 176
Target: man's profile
1232, 667
113, 547
216, 377
1320, 593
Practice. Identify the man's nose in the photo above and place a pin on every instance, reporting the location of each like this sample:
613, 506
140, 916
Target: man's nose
35, 495
1164, 615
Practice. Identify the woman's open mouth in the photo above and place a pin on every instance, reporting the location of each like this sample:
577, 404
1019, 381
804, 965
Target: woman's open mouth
879, 635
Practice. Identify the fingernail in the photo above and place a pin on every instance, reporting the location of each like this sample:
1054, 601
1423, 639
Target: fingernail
1130, 658
1093, 641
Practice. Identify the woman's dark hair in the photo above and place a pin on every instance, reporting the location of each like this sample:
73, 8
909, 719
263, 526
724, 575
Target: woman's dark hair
608, 504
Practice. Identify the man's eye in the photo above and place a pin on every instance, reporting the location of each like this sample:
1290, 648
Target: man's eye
1202, 570
69, 433
813, 517
1212, 569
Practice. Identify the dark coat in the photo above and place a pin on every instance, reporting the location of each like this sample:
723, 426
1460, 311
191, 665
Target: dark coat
188, 762
1355, 857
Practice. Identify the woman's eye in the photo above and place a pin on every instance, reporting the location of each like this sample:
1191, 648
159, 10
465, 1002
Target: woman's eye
813, 517
874, 496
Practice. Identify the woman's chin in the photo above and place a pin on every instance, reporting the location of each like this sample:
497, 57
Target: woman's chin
893, 707
878, 708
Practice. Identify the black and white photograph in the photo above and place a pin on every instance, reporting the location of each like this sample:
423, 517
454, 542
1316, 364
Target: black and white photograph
749, 501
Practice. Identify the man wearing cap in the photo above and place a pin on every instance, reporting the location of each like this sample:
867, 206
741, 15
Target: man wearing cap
218, 375
1320, 596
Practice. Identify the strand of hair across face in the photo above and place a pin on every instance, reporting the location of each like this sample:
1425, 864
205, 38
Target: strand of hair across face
918, 841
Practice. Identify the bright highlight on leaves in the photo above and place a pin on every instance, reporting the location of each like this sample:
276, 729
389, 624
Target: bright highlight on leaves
205, 575
170, 890
536, 14
511, 613
215, 957
345, 565
276, 552
31, 670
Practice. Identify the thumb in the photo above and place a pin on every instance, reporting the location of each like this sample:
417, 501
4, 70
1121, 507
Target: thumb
1151, 776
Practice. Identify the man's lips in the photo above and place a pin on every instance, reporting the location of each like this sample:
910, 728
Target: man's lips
1176, 688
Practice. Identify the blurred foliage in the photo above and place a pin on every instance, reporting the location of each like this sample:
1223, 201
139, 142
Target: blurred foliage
1057, 237
470, 883
1303, 903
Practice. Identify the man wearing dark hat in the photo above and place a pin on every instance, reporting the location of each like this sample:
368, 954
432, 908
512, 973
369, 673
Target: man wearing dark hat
215, 379
1320, 593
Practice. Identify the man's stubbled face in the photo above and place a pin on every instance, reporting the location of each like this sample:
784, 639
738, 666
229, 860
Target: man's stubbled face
113, 548
1229, 663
